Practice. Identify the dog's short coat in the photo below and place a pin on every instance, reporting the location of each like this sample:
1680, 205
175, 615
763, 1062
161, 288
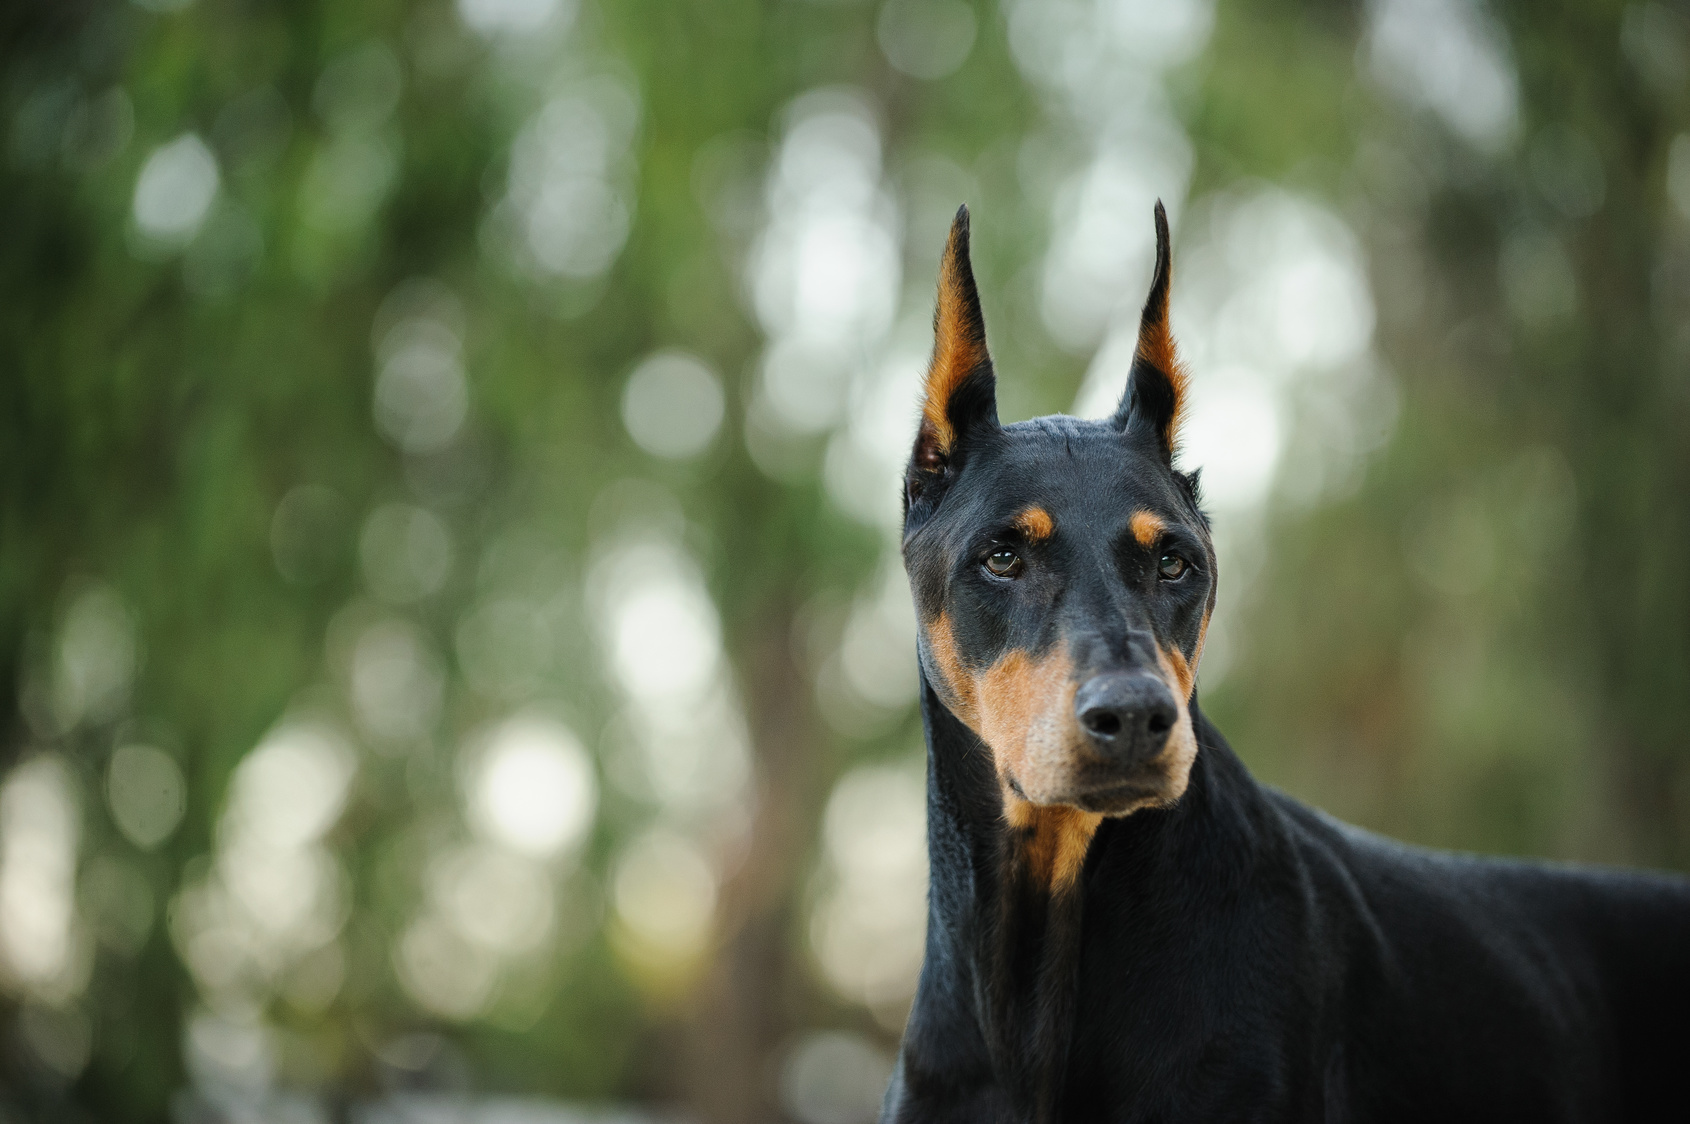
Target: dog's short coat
1124, 925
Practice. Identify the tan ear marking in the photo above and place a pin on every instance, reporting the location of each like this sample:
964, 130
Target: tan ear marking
1155, 336
1146, 527
959, 336
1036, 524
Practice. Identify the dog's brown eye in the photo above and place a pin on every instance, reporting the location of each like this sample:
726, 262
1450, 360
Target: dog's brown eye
1171, 567
1004, 563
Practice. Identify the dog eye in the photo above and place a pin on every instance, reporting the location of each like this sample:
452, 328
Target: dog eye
1172, 567
1004, 563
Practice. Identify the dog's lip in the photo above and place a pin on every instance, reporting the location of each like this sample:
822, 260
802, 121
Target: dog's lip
1118, 795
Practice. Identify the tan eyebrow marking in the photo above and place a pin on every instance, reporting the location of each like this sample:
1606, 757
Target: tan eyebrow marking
1147, 527
1036, 524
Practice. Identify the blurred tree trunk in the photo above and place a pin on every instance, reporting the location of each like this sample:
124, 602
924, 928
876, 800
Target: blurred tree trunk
1624, 417
745, 1007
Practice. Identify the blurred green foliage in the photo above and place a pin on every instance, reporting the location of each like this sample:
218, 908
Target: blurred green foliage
1468, 625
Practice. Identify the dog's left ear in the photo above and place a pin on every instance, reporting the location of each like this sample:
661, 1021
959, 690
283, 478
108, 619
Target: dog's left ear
960, 396
1155, 397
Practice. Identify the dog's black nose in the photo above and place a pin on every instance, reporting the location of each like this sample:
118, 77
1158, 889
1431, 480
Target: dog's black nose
1128, 715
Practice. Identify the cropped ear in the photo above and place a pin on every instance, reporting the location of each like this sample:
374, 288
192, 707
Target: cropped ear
961, 389
1155, 399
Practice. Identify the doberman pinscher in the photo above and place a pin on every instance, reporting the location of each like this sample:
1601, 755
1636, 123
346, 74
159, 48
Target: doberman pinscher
1124, 925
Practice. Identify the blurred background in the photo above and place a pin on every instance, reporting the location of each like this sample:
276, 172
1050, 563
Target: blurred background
454, 658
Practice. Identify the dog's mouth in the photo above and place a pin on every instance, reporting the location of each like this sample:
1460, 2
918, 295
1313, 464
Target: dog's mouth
1079, 778
1116, 795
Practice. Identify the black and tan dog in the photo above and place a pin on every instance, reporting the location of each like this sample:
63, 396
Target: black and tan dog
1124, 925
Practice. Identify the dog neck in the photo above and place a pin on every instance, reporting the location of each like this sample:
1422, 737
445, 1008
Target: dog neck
1007, 920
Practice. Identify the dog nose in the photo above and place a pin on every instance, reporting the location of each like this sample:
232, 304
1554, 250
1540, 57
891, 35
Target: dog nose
1127, 715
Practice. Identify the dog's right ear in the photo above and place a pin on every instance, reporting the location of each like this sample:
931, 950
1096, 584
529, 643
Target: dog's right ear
961, 391
1154, 402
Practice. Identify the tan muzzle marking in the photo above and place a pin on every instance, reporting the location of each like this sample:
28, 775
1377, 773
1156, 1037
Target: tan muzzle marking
1180, 753
1023, 709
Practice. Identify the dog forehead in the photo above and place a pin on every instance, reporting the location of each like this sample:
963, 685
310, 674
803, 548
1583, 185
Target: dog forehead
1080, 470
1086, 477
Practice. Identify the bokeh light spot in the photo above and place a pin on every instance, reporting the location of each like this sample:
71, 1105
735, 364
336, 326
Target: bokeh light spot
869, 923
174, 191
672, 405
446, 974
665, 635
665, 897
290, 789
834, 1077
533, 788
40, 828
406, 552
421, 396
514, 17
146, 793
97, 655
397, 682
494, 898
926, 38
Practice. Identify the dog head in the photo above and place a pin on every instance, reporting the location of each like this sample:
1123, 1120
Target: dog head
1063, 573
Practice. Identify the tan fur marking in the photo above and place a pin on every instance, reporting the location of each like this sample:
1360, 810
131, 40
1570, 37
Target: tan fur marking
1036, 524
1027, 718
959, 685
955, 350
1180, 753
1156, 347
1054, 839
1182, 671
1022, 708
1202, 635
1146, 527
1156, 338
1011, 687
